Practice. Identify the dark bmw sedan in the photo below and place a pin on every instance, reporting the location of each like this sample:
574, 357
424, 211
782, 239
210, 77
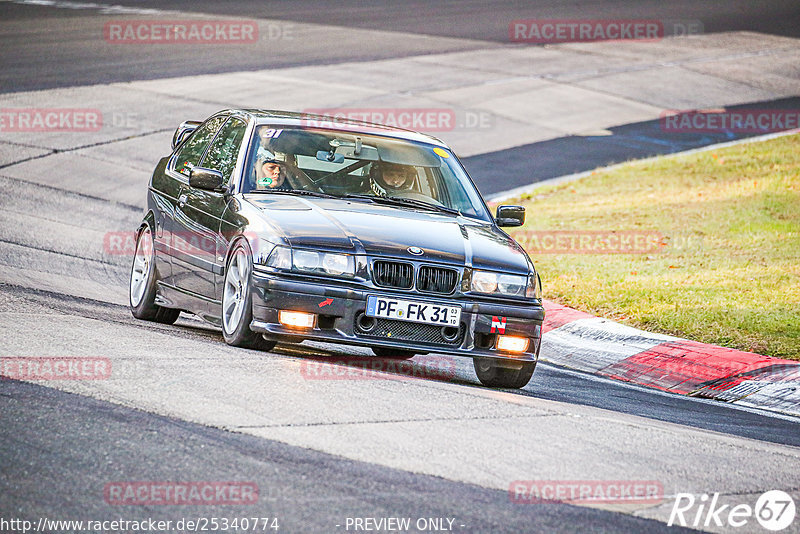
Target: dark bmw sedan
287, 227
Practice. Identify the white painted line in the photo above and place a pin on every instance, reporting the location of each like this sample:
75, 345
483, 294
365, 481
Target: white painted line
105, 9
517, 191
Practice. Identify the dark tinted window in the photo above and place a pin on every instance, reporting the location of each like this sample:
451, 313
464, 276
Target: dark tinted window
190, 153
222, 153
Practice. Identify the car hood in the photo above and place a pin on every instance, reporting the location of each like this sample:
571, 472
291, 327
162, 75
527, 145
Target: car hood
379, 230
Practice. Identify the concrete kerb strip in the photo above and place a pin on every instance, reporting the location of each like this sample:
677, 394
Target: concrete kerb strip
606, 348
525, 189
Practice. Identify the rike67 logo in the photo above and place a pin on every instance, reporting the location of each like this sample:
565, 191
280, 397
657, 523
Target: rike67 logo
774, 510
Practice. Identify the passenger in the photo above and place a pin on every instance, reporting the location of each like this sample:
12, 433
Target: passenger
271, 171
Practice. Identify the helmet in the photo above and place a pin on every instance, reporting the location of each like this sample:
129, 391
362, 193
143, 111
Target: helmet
267, 156
386, 178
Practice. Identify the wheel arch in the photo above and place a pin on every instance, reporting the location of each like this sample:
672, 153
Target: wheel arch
149, 219
241, 238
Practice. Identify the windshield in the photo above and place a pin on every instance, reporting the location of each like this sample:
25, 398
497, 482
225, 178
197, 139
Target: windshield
354, 165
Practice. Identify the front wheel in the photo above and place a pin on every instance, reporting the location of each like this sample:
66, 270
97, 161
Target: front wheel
142, 287
237, 303
493, 374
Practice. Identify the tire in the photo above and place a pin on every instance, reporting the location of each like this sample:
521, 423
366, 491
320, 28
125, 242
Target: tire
396, 354
142, 284
493, 375
237, 302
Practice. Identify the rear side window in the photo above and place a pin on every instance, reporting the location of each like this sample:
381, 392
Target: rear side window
222, 153
190, 153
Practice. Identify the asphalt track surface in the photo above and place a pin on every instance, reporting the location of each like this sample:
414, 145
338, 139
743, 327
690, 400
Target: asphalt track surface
488, 21
58, 449
58, 47
308, 491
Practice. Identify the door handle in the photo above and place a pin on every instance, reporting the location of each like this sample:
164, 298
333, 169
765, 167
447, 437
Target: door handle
182, 200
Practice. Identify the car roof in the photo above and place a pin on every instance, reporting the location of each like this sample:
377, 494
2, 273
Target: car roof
327, 122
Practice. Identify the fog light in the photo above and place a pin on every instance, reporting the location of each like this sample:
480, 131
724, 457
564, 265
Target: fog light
296, 319
512, 343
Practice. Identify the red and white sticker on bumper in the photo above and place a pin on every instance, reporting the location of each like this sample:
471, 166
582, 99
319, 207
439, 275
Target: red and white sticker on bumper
498, 325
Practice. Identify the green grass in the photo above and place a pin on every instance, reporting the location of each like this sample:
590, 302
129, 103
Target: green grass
727, 269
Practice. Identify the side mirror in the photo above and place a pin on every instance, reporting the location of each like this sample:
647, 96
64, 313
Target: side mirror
183, 132
207, 179
510, 216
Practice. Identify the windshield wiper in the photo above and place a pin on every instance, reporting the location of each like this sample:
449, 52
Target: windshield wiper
293, 192
409, 202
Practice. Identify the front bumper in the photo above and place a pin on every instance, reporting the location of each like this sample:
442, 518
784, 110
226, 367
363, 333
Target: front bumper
338, 307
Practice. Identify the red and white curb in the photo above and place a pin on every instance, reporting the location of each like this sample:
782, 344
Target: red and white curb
606, 348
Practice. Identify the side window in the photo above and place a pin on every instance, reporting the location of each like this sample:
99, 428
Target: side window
190, 153
222, 153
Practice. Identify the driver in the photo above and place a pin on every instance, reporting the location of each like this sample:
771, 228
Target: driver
387, 179
271, 170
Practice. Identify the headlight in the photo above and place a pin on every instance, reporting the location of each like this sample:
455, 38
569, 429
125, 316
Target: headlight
305, 261
534, 290
310, 261
484, 282
509, 285
337, 263
323, 262
280, 258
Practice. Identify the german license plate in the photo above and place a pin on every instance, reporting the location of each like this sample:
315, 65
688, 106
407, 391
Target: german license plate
412, 310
